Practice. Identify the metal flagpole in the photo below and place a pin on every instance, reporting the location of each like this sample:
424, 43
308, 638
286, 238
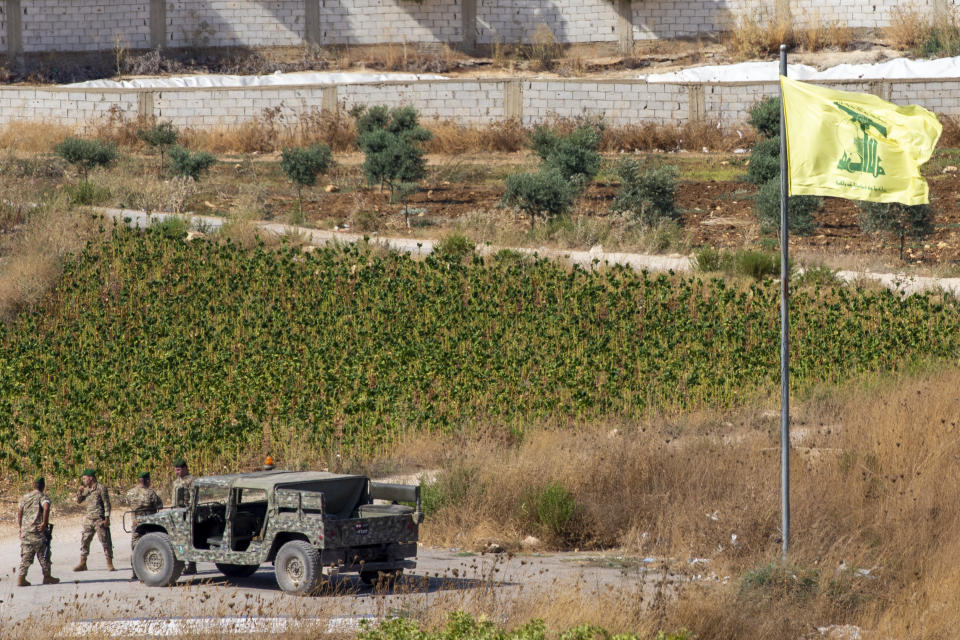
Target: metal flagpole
784, 327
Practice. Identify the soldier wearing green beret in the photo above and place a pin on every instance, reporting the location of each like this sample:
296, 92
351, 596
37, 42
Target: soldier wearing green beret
182, 480
33, 521
96, 520
143, 501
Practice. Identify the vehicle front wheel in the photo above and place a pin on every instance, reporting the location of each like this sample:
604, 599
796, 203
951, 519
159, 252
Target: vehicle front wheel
154, 561
237, 570
298, 567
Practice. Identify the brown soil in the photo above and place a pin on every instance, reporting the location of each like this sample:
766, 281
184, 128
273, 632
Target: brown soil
718, 214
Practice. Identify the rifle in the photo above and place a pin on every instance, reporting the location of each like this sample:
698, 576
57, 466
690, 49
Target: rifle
48, 537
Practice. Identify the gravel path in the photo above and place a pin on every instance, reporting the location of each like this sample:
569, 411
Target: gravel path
108, 603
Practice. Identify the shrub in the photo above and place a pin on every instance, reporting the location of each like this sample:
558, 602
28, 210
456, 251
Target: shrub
555, 510
799, 214
765, 117
757, 264
764, 161
454, 248
190, 164
709, 259
575, 155
391, 142
450, 487
546, 194
86, 154
171, 227
302, 165
160, 136
779, 581
647, 196
87, 193
753, 264
899, 220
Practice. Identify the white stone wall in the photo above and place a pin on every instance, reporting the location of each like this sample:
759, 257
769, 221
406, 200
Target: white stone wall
93, 25
619, 102
379, 21
653, 19
231, 23
467, 101
570, 21
86, 25
61, 106
871, 15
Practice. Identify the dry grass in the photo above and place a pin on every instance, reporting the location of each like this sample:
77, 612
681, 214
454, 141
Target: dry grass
34, 255
35, 136
451, 137
275, 129
817, 34
757, 35
909, 26
691, 136
873, 472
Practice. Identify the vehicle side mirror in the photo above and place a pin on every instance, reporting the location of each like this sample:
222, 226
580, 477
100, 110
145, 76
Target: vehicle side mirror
181, 498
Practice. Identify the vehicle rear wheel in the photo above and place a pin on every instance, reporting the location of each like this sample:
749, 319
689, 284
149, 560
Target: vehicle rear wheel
298, 567
382, 579
154, 561
237, 570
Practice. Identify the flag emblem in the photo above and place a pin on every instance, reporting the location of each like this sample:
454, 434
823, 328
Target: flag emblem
855, 145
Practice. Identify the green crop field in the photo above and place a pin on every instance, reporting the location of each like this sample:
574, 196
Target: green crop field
151, 346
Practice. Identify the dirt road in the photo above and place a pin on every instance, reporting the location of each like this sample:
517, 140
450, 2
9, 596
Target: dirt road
116, 606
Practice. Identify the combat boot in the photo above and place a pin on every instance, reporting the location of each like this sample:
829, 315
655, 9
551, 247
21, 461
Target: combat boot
110, 564
190, 569
22, 581
50, 580
83, 564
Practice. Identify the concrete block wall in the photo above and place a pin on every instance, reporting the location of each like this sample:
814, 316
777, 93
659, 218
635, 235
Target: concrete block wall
653, 19
214, 107
94, 25
875, 14
87, 25
571, 21
619, 102
467, 101
378, 21
229, 23
61, 106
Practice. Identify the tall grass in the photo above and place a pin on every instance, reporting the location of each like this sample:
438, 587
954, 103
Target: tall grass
875, 520
34, 254
758, 34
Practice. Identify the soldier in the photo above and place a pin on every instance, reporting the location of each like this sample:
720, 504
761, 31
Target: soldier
95, 520
142, 500
35, 539
182, 478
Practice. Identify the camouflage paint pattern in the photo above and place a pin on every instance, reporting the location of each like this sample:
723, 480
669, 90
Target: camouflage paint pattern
381, 537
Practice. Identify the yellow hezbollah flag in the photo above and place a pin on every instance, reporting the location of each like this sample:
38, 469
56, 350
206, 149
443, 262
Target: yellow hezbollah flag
855, 145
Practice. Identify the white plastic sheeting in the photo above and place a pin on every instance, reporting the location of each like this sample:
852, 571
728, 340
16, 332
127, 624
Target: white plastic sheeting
276, 79
898, 68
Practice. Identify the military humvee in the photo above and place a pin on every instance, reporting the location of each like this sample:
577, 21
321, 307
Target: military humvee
304, 522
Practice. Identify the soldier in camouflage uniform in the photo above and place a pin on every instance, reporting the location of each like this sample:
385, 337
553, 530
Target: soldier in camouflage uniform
34, 533
143, 501
182, 478
96, 520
